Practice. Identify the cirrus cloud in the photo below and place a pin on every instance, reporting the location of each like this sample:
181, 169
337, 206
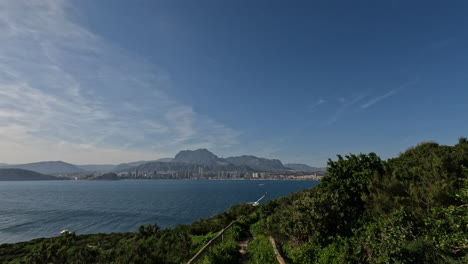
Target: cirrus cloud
69, 94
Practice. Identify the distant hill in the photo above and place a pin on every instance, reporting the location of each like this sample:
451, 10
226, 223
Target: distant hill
256, 163
165, 160
7, 174
207, 158
151, 167
132, 165
49, 167
199, 156
97, 167
303, 167
107, 177
124, 166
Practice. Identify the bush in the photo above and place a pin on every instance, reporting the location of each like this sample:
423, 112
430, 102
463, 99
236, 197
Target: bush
260, 251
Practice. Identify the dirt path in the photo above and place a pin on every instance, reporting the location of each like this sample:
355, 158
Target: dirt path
243, 250
275, 249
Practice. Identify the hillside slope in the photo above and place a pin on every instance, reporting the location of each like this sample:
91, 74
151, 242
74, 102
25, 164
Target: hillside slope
303, 167
256, 163
199, 156
49, 167
7, 174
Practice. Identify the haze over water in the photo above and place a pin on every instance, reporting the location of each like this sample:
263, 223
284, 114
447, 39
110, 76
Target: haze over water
36, 209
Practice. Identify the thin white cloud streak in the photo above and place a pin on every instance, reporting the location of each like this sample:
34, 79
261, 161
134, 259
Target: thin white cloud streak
388, 94
66, 93
379, 98
315, 105
344, 104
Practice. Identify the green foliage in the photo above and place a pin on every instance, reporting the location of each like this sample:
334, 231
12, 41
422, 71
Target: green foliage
335, 252
199, 241
259, 228
218, 222
333, 205
409, 209
225, 252
261, 251
148, 230
447, 226
305, 253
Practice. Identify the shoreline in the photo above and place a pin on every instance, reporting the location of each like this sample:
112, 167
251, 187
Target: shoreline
129, 179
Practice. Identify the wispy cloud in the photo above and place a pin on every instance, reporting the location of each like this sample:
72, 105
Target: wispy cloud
377, 99
67, 93
344, 104
316, 104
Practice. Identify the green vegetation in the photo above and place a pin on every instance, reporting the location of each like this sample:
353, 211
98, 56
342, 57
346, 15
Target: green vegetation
148, 245
410, 209
261, 251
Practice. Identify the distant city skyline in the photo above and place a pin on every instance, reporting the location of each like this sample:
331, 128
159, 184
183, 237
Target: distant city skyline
113, 81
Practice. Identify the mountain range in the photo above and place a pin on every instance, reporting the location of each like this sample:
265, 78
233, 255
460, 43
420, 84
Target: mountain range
125, 166
303, 167
185, 160
259, 164
97, 167
7, 174
48, 167
199, 156
205, 157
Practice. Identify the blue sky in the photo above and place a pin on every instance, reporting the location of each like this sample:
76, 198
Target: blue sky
112, 81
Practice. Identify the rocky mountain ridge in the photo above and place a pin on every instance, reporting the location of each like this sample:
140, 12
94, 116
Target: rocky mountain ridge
185, 160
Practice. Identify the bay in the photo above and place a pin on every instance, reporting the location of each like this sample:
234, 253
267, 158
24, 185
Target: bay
35, 209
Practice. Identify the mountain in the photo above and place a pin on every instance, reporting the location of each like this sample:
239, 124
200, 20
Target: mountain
23, 175
151, 167
211, 162
49, 167
199, 156
107, 177
165, 160
205, 157
132, 165
256, 163
124, 166
97, 167
303, 167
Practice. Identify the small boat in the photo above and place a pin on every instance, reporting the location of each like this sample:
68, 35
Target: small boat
256, 203
66, 232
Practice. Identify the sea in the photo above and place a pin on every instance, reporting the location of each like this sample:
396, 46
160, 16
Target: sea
35, 209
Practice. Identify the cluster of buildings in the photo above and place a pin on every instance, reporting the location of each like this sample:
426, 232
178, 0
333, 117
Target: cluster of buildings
200, 174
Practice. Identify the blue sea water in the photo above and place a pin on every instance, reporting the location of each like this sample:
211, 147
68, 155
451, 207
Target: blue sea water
35, 209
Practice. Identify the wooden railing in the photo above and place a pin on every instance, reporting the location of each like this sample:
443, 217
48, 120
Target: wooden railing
210, 243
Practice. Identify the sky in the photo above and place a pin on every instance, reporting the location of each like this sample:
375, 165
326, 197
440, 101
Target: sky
110, 81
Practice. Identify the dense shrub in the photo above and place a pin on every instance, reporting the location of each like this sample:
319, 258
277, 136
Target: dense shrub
261, 251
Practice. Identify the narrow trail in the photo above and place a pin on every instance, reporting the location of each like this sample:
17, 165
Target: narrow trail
279, 258
243, 250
